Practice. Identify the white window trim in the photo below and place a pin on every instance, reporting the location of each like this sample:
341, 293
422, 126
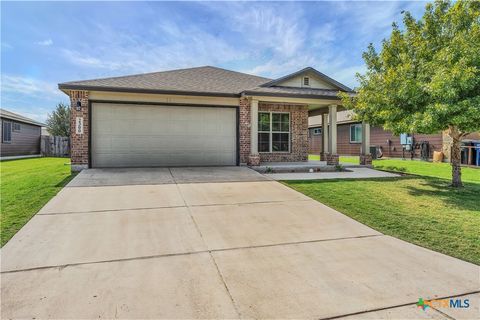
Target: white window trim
270, 143
350, 132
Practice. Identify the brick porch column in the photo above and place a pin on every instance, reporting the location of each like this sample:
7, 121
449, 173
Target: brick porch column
365, 156
79, 130
254, 158
332, 157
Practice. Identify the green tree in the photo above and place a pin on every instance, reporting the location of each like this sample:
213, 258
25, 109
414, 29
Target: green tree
426, 78
58, 123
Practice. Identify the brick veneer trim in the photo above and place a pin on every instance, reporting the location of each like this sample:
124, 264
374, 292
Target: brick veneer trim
244, 130
332, 159
79, 142
366, 159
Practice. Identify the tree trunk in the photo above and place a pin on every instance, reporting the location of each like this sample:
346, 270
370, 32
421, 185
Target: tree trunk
456, 157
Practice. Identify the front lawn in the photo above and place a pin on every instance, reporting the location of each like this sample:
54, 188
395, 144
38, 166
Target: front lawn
420, 210
430, 169
26, 186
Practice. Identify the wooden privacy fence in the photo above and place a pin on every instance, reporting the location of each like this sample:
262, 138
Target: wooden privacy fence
55, 146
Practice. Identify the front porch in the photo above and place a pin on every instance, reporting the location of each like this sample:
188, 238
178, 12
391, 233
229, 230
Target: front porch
295, 156
274, 119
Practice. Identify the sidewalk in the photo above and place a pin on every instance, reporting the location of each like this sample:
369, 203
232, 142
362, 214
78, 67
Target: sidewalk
353, 173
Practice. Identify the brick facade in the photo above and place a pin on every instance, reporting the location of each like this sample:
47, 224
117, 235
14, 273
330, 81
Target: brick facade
366, 159
298, 132
244, 128
332, 159
79, 142
298, 135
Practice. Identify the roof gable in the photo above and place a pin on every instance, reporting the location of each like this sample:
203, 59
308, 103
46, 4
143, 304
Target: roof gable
317, 80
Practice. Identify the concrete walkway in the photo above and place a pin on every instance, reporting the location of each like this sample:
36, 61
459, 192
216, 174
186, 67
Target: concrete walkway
215, 249
353, 173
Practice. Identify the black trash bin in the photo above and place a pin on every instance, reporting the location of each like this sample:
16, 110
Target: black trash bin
373, 152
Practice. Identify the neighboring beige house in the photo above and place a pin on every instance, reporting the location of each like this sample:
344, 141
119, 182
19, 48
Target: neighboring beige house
203, 116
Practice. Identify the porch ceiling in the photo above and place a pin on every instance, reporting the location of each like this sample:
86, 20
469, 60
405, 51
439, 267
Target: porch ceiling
315, 105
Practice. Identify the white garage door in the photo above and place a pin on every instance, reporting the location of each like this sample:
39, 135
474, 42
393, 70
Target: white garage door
129, 135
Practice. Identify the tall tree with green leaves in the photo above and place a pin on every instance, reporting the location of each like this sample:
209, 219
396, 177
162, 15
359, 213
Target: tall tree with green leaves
426, 78
58, 122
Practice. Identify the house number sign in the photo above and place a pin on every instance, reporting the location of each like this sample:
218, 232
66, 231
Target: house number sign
79, 125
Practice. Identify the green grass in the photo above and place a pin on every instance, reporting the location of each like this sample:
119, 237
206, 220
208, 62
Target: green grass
420, 210
423, 168
349, 159
429, 169
26, 186
343, 159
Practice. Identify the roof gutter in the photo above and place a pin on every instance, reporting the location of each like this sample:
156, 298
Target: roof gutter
65, 86
288, 95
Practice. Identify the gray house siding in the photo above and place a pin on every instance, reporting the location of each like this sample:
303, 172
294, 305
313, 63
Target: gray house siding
25, 141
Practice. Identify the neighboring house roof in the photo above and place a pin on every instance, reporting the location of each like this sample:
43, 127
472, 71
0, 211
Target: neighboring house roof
202, 81
17, 117
344, 116
208, 81
322, 76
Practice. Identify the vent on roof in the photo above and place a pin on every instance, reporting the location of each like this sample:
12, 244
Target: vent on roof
306, 81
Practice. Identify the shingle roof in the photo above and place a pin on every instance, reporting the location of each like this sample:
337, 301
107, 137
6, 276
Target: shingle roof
202, 80
16, 117
294, 92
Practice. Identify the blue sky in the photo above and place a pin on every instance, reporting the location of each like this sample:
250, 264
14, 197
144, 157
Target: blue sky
45, 43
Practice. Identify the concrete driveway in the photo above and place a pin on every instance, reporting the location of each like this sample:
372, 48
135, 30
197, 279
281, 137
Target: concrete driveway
215, 243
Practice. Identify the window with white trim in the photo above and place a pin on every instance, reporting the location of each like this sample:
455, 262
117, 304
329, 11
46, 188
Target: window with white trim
355, 133
16, 126
273, 132
317, 131
306, 81
6, 132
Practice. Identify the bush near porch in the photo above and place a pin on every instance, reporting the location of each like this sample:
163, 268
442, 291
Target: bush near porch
420, 209
26, 186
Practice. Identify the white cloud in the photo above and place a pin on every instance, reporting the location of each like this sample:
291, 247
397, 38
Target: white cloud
45, 43
172, 46
323, 44
28, 86
346, 75
39, 114
273, 39
324, 33
5, 46
279, 28
30, 97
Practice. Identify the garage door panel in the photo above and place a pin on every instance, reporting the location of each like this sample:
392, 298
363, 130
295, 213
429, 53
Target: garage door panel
125, 135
